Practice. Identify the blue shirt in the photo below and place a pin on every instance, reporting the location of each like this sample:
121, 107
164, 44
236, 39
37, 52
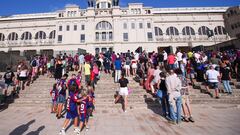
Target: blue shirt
118, 64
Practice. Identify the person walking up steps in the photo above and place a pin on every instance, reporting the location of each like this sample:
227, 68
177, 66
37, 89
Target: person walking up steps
123, 92
117, 65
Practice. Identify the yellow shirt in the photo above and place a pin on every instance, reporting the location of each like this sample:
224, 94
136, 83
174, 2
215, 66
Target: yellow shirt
87, 68
190, 54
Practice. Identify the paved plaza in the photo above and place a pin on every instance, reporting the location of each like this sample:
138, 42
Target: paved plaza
210, 120
30, 114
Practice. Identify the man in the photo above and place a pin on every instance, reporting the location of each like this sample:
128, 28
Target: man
165, 56
87, 71
171, 60
117, 66
213, 77
9, 79
215, 61
179, 57
173, 84
160, 59
81, 62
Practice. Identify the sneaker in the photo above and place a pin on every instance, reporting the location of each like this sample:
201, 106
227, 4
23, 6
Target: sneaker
87, 128
62, 132
210, 94
217, 97
76, 130
125, 111
185, 119
172, 122
191, 119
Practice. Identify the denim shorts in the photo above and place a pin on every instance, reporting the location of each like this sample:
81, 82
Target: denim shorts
61, 99
213, 85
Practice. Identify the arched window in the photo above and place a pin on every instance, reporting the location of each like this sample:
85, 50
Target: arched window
2, 37
13, 36
220, 30
203, 30
104, 25
52, 34
158, 31
40, 35
188, 31
26, 36
172, 31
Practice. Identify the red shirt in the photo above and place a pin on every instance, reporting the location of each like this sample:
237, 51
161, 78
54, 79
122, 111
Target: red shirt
171, 59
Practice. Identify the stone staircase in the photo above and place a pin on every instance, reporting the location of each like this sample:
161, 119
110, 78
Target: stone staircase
36, 95
139, 98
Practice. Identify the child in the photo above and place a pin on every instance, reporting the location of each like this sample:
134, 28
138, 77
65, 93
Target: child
79, 76
72, 113
54, 95
91, 97
62, 86
82, 110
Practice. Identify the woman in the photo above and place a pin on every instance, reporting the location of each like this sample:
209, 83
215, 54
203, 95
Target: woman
164, 99
134, 66
58, 71
149, 76
123, 91
23, 75
127, 67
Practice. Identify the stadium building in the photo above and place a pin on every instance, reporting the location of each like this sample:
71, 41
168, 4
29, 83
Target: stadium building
104, 26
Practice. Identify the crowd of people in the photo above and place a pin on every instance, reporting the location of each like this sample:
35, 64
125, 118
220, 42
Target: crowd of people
25, 74
169, 77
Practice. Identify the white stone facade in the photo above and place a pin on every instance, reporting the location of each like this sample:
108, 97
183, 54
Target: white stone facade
119, 28
232, 21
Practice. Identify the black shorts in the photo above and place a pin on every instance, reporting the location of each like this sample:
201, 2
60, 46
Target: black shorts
23, 78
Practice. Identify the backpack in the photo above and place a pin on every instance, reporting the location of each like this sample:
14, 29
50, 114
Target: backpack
73, 82
34, 63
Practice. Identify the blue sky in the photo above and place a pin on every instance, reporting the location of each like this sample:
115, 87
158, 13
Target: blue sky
9, 7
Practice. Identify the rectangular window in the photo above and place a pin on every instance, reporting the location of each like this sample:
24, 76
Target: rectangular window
75, 27
133, 25
125, 25
125, 36
97, 36
148, 25
150, 36
110, 36
60, 28
104, 37
68, 28
82, 27
82, 38
140, 25
59, 38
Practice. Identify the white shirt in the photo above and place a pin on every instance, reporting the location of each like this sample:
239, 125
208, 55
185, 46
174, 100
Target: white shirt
136, 56
197, 57
205, 59
23, 73
212, 75
81, 59
179, 56
165, 56
156, 75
